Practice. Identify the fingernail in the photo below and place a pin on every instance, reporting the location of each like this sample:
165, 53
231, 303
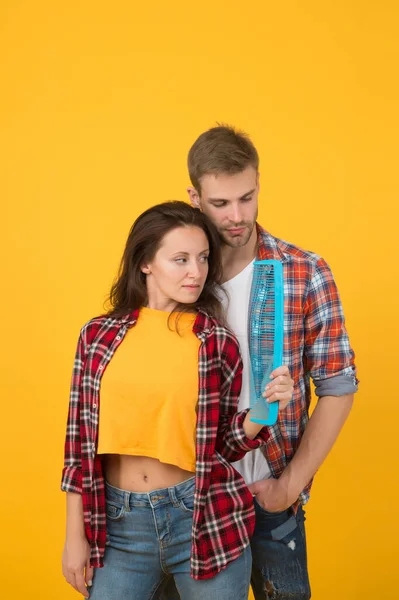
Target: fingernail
90, 583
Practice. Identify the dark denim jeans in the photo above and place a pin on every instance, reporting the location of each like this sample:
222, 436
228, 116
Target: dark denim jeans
279, 561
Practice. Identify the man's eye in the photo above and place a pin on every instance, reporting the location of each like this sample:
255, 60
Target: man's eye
248, 199
219, 204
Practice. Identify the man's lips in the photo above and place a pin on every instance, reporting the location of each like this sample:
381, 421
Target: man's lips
236, 230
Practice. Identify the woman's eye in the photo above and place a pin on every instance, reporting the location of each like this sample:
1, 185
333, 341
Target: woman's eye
180, 260
204, 259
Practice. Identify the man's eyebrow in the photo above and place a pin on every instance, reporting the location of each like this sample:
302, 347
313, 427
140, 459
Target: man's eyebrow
225, 199
248, 194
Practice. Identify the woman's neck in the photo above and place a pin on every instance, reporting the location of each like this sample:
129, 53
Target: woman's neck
162, 304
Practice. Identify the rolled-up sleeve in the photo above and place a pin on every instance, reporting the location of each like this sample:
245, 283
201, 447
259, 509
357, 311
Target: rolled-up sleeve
72, 471
329, 357
235, 439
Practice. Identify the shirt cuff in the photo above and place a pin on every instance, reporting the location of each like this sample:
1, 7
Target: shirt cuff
72, 480
340, 385
241, 441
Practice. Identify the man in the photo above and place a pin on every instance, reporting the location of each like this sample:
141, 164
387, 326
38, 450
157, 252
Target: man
223, 166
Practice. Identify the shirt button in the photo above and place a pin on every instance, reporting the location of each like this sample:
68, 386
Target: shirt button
118, 337
101, 367
94, 405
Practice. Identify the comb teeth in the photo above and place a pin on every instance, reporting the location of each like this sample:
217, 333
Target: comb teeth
265, 335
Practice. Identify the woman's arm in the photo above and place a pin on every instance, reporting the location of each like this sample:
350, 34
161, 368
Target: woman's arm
72, 472
76, 555
237, 435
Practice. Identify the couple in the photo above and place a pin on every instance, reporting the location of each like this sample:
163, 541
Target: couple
171, 488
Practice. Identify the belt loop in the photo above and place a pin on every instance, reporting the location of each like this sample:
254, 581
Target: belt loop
126, 501
173, 497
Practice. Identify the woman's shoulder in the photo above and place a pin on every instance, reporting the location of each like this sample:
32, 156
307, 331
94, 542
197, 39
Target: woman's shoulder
95, 326
221, 330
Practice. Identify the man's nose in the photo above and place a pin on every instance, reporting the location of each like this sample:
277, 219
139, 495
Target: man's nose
235, 214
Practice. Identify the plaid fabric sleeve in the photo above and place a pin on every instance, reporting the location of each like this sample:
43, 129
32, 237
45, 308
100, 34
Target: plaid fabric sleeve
327, 350
232, 443
72, 471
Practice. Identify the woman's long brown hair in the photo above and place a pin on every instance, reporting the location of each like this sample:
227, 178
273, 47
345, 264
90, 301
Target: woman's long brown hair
129, 292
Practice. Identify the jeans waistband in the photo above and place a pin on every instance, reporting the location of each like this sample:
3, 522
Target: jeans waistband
162, 496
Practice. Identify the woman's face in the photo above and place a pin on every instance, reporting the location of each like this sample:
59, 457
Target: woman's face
179, 269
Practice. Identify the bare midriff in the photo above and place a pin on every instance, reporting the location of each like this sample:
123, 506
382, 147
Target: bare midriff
141, 473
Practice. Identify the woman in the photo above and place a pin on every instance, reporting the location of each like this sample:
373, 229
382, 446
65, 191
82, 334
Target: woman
150, 489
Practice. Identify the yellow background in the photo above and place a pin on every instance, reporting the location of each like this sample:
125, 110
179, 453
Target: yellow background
99, 104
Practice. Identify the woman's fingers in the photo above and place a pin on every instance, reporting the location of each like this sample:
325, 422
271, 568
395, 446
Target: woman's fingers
89, 575
77, 581
281, 388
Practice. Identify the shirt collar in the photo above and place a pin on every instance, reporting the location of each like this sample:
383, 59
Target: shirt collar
268, 248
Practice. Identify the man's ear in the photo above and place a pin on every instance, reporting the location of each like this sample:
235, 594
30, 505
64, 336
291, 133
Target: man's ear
194, 197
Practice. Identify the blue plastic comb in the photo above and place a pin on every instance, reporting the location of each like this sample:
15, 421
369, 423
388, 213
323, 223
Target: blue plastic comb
266, 335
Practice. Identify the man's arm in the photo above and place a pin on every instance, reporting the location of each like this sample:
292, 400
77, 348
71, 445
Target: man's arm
319, 437
329, 360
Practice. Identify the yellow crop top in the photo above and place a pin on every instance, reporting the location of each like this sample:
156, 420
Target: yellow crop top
149, 391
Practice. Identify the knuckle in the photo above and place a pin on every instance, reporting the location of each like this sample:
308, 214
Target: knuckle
76, 570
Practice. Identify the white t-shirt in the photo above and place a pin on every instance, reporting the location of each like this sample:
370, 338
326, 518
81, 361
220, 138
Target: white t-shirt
254, 465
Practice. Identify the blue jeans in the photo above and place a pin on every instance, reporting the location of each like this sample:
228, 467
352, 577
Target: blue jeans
278, 546
279, 556
149, 543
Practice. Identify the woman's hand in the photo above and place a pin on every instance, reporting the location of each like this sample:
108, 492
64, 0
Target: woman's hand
76, 564
280, 388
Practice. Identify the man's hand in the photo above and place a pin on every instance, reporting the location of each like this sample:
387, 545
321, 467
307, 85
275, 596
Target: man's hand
273, 494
